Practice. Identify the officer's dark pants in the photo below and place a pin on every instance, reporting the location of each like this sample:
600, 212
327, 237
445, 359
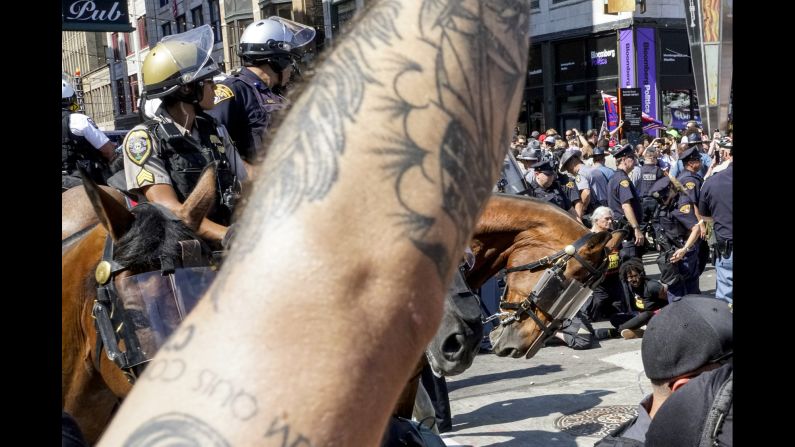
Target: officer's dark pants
607, 299
629, 250
689, 269
71, 436
437, 391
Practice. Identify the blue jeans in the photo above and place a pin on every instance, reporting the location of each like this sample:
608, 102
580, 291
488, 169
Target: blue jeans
724, 284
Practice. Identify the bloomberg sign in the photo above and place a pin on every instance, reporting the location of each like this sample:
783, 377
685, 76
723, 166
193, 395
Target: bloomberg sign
95, 15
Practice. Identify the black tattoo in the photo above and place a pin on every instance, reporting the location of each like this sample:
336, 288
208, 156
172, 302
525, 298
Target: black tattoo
172, 429
281, 429
165, 370
240, 403
305, 154
486, 43
180, 338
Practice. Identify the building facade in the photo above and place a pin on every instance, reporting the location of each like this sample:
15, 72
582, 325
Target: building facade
84, 53
578, 51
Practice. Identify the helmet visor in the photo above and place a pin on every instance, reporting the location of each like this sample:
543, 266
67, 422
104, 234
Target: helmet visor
191, 53
301, 34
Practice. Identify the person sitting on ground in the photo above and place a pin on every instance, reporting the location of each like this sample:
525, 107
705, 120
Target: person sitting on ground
646, 297
608, 296
685, 340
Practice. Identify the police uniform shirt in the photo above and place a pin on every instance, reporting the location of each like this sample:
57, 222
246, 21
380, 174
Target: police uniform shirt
83, 126
685, 212
569, 188
593, 179
717, 201
143, 166
692, 183
245, 111
621, 190
555, 194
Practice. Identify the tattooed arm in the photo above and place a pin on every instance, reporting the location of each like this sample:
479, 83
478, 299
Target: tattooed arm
366, 200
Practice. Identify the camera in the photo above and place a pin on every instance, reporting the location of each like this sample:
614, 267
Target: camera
229, 198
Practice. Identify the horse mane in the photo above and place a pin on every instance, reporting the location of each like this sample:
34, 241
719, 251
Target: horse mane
155, 233
500, 214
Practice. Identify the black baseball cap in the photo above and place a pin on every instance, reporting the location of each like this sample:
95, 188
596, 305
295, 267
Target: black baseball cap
686, 335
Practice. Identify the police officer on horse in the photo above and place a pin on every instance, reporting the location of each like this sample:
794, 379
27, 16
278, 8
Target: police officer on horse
164, 156
246, 100
82, 143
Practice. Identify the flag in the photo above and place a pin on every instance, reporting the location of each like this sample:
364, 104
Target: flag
611, 111
650, 123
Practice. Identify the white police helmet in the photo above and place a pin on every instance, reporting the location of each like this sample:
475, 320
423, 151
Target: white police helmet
274, 41
68, 95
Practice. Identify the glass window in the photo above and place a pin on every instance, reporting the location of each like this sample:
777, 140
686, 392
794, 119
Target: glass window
120, 99
197, 16
602, 60
166, 28
127, 44
570, 61
134, 92
215, 19
534, 75
163, 3
114, 41
182, 24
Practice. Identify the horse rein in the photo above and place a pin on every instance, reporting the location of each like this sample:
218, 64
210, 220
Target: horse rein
555, 265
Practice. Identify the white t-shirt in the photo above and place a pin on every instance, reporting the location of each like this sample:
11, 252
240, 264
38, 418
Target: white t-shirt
83, 126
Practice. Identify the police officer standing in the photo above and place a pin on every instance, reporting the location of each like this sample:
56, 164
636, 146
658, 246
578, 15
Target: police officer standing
245, 101
164, 157
590, 182
623, 199
717, 204
82, 143
546, 187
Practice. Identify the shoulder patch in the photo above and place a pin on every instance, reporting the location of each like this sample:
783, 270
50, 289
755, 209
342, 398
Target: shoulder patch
577, 178
138, 146
222, 93
690, 185
624, 183
144, 177
685, 209
570, 184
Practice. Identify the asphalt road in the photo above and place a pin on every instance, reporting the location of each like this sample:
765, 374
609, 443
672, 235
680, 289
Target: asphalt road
560, 397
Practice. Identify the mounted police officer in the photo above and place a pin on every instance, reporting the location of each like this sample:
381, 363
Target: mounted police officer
246, 100
82, 143
545, 186
623, 199
164, 156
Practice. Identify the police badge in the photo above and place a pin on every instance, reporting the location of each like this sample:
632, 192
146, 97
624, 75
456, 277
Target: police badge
138, 146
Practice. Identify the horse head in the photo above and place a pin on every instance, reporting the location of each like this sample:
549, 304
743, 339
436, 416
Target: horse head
552, 263
121, 294
452, 350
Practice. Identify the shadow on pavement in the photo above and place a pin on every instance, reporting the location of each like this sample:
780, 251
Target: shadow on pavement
539, 370
513, 410
525, 439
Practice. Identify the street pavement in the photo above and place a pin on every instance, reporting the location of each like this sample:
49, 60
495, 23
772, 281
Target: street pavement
560, 397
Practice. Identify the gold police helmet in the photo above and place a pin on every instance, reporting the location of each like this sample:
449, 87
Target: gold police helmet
179, 59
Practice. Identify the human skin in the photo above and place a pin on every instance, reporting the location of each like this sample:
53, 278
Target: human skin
360, 211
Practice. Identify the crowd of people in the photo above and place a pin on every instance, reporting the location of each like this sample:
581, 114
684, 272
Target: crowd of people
674, 201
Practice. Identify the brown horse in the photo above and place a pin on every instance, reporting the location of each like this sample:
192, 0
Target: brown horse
92, 384
535, 240
512, 230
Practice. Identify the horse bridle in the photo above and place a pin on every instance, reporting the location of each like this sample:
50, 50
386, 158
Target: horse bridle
110, 320
553, 294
